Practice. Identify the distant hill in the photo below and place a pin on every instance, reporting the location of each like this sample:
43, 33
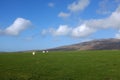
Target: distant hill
102, 44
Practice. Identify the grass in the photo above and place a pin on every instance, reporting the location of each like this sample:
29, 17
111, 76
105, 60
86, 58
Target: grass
71, 65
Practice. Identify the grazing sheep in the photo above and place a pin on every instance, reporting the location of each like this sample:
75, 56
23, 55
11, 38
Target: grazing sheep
33, 53
43, 51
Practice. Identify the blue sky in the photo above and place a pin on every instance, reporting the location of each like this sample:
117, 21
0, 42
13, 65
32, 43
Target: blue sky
42, 24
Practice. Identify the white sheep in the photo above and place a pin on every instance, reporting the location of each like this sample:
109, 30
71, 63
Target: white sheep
33, 53
43, 51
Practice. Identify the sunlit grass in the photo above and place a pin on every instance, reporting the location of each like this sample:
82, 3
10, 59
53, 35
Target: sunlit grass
71, 65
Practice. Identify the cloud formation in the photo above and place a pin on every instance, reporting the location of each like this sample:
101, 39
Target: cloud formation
63, 15
78, 5
62, 30
89, 26
82, 31
18, 26
113, 21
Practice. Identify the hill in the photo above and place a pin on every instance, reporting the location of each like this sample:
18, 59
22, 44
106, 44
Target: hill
102, 44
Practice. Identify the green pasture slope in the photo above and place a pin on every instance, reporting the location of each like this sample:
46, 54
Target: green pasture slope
74, 65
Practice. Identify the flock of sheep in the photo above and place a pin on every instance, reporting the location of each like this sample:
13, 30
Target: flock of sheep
45, 51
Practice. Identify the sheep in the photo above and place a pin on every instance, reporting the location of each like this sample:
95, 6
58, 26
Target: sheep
43, 51
33, 53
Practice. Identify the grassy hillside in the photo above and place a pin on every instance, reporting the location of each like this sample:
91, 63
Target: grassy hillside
76, 65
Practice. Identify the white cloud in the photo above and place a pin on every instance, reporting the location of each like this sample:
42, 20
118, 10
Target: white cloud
78, 5
113, 21
18, 26
61, 31
90, 26
64, 30
63, 15
51, 4
82, 31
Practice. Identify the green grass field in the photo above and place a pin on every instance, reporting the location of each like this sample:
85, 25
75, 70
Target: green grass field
74, 65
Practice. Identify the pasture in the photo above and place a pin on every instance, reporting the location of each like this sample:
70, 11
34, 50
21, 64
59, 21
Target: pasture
64, 65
